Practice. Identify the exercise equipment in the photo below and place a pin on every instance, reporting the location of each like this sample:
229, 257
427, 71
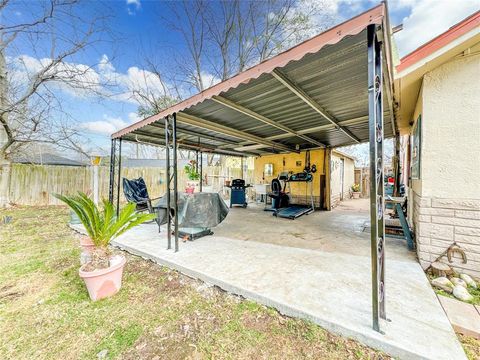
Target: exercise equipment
279, 196
294, 211
237, 192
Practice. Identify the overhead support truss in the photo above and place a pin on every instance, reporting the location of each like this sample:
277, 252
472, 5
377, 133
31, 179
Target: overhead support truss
297, 90
377, 208
241, 109
222, 129
146, 137
115, 173
245, 146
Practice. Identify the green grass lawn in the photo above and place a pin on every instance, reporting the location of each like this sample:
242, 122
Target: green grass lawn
45, 312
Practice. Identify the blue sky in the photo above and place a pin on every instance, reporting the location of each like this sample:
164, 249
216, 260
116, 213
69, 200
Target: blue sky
139, 30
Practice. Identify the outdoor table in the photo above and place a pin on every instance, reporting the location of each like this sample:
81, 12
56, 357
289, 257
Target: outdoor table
197, 210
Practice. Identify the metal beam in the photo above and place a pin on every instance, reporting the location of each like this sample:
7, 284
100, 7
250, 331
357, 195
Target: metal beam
153, 140
172, 179
167, 182
201, 171
119, 174
187, 143
111, 187
221, 129
197, 135
241, 109
175, 177
390, 105
353, 121
377, 207
277, 74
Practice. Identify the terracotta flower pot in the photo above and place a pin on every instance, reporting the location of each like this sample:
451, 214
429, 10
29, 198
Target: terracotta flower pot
104, 282
193, 186
87, 245
356, 195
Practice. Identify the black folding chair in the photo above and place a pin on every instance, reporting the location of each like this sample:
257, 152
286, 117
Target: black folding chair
135, 191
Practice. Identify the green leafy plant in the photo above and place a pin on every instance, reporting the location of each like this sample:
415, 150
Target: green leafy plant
356, 187
102, 225
191, 170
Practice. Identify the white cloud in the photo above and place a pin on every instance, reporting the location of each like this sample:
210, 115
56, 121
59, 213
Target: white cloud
429, 18
107, 126
104, 65
134, 2
133, 6
133, 117
209, 79
83, 81
76, 79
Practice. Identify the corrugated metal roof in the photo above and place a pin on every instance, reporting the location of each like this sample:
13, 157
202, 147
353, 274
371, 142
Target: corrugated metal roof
281, 101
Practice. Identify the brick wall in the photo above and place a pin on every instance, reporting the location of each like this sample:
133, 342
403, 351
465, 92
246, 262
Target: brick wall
439, 222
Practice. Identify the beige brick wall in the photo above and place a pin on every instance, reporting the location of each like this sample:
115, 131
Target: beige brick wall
438, 223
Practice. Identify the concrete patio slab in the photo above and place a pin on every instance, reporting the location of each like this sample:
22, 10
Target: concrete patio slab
317, 268
464, 317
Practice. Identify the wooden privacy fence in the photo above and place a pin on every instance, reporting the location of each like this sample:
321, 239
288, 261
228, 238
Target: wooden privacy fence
34, 184
362, 177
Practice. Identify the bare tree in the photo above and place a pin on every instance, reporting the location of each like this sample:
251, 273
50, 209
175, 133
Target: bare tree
224, 38
189, 22
56, 32
153, 94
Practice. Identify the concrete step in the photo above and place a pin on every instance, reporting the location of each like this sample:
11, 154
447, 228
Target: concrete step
464, 317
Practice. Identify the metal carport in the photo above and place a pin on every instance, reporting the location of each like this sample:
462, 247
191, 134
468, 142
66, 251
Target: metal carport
328, 91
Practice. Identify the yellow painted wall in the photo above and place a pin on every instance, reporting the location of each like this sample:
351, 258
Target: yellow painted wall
297, 189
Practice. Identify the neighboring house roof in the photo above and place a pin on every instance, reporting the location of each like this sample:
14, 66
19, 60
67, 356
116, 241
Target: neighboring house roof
455, 32
160, 163
342, 154
408, 79
312, 95
46, 159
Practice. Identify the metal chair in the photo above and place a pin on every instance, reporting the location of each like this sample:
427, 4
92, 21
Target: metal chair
135, 190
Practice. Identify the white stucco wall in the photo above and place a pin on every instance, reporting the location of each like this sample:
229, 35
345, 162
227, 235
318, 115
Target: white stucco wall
445, 201
348, 175
451, 130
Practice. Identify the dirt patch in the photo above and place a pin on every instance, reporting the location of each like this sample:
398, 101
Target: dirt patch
8, 292
471, 346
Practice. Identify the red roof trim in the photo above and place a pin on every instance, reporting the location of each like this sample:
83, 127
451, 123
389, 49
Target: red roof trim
332, 36
440, 41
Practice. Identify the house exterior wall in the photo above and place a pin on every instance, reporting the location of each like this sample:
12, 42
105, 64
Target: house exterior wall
348, 176
446, 199
298, 190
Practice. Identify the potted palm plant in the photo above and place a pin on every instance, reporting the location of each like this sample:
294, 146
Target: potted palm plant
193, 183
103, 273
356, 191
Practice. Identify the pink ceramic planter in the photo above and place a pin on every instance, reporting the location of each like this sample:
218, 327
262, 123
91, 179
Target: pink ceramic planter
87, 245
105, 282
